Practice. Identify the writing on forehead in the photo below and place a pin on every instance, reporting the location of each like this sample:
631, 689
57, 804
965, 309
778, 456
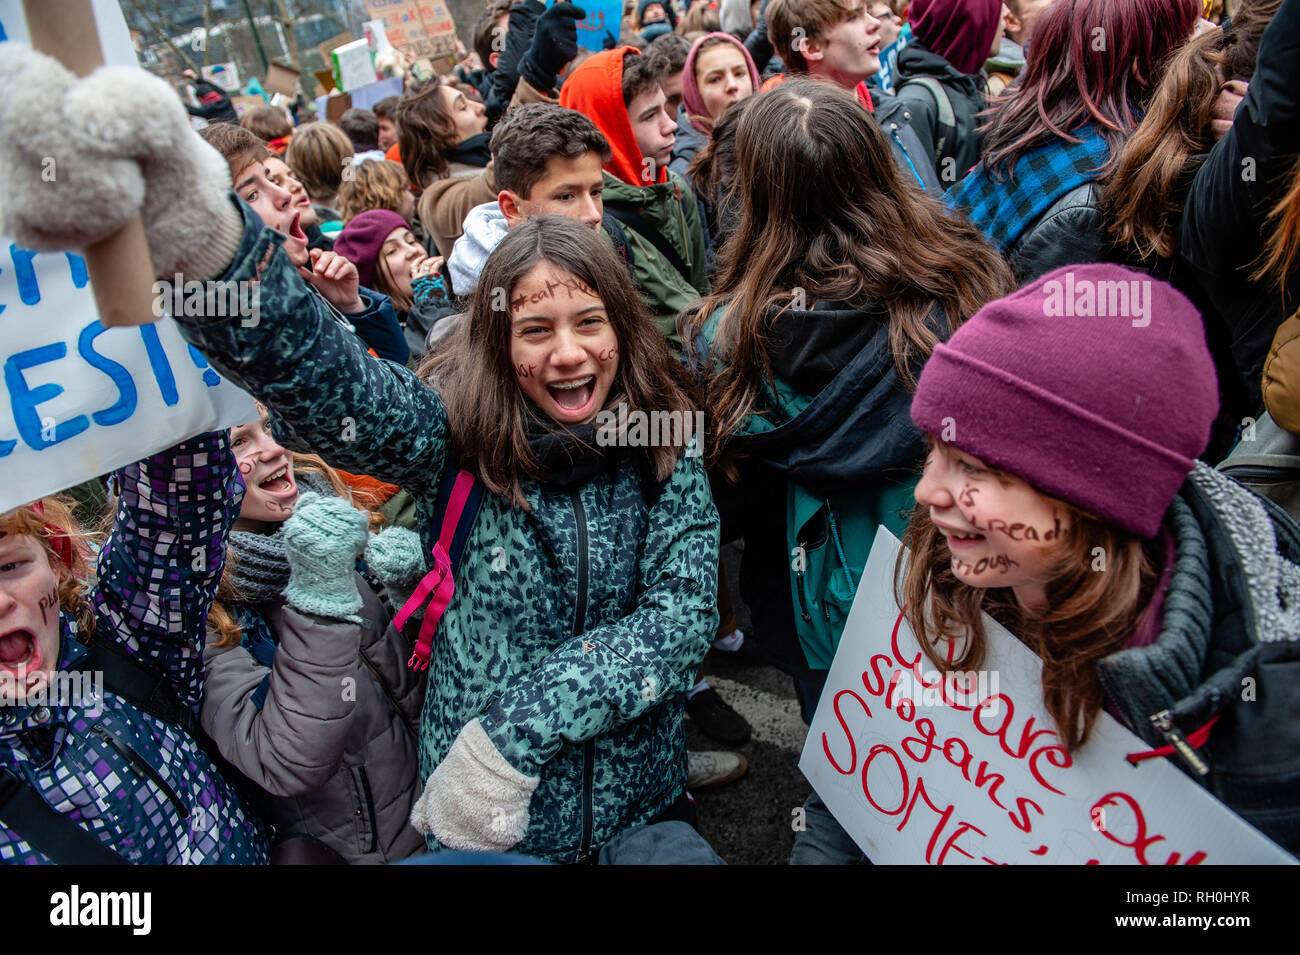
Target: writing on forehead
569, 286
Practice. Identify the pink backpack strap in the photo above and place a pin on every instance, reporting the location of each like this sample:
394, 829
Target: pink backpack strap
438, 587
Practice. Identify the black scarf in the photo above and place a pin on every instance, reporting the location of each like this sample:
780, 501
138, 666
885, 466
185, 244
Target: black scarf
567, 456
472, 152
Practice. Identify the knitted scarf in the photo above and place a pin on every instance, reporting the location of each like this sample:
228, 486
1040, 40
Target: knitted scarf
1004, 210
261, 568
472, 152
567, 455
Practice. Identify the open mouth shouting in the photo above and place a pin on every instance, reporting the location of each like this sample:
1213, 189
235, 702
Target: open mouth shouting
574, 398
278, 484
20, 652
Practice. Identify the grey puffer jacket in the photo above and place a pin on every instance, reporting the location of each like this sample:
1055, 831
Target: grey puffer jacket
328, 728
1229, 648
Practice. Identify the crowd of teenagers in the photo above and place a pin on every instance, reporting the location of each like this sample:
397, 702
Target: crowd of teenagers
1018, 281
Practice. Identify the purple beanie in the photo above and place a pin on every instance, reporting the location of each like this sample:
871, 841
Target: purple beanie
691, 97
1093, 384
363, 237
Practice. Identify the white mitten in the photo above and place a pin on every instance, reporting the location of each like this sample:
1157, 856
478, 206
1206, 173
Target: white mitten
79, 158
475, 800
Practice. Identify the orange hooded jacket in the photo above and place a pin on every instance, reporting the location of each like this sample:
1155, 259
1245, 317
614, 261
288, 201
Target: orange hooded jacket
595, 89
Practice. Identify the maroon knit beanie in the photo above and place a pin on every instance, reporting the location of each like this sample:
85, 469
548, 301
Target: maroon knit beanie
960, 31
1093, 384
363, 237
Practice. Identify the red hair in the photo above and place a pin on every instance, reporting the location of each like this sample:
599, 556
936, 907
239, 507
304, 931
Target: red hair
1093, 61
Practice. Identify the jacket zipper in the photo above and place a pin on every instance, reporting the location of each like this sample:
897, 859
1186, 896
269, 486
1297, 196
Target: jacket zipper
141, 767
388, 692
893, 133
579, 627
803, 601
1164, 723
368, 801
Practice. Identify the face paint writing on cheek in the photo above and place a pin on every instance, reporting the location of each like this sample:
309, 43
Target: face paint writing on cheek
607, 354
51, 600
525, 371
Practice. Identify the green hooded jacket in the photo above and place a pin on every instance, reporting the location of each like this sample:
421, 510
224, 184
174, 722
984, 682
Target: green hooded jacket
576, 626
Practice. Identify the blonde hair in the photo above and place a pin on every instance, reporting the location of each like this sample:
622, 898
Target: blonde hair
374, 184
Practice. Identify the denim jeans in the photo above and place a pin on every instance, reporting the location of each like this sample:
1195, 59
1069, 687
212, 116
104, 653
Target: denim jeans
823, 841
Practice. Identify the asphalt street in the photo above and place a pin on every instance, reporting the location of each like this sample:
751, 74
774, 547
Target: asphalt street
749, 821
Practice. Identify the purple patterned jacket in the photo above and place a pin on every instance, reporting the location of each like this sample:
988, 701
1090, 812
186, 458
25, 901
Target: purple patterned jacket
142, 785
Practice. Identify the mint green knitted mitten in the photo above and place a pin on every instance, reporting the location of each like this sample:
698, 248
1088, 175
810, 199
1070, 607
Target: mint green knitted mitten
323, 538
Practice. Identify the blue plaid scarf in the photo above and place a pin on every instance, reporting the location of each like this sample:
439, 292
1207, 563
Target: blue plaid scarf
1003, 210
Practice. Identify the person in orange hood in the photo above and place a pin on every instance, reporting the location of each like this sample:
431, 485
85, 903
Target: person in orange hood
619, 90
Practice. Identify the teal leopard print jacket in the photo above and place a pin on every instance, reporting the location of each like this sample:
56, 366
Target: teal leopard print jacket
576, 626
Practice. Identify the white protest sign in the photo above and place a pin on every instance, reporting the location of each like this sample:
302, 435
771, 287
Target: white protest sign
353, 65
921, 770
79, 400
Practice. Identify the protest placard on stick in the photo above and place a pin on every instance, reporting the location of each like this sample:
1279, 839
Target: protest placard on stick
120, 270
968, 768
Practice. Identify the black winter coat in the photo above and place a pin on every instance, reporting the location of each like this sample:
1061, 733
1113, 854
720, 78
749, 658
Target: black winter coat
1247, 173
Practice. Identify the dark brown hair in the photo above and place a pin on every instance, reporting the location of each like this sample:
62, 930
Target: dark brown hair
484, 31
1091, 614
529, 135
1145, 195
266, 123
640, 72
362, 127
486, 407
869, 237
239, 147
317, 154
425, 131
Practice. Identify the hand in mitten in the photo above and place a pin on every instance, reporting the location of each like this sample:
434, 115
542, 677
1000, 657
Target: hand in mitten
396, 556
475, 800
323, 538
80, 158
555, 43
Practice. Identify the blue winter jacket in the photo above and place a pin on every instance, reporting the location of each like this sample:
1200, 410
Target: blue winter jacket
142, 785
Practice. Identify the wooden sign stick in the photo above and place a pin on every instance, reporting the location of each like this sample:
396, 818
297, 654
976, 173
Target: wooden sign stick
120, 269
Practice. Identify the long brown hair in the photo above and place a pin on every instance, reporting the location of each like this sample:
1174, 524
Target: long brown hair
1067, 81
425, 131
1145, 196
1092, 613
485, 405
826, 213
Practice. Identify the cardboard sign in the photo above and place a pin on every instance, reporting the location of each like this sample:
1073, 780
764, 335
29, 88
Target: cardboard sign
225, 75
243, 104
922, 769
425, 30
282, 79
79, 400
335, 41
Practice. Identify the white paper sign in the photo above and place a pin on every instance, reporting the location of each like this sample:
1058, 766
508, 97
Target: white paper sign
917, 770
78, 400
355, 68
